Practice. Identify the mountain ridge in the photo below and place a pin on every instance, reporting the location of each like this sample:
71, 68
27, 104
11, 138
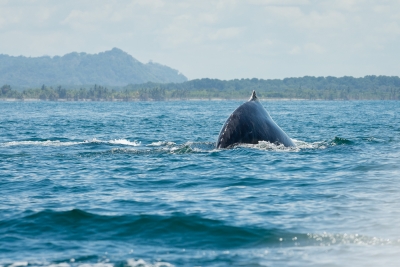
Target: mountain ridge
113, 68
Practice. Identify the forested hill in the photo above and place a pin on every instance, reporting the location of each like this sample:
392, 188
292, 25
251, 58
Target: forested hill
308, 87
327, 88
114, 67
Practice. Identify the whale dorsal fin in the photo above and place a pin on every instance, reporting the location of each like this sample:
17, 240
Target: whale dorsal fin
253, 96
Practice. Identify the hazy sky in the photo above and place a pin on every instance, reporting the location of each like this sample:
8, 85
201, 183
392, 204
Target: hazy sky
224, 39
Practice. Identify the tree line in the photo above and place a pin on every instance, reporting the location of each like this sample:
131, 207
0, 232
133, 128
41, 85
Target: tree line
308, 87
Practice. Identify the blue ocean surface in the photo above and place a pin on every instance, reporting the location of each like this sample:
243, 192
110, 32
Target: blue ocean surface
107, 184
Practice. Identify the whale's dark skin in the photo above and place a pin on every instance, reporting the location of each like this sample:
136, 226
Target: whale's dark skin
251, 123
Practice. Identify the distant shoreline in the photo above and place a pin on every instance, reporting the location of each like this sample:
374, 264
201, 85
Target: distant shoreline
176, 100
306, 88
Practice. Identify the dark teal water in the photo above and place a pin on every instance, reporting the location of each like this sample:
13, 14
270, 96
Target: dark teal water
140, 184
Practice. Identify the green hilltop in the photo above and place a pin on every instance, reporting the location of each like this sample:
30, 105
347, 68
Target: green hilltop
111, 68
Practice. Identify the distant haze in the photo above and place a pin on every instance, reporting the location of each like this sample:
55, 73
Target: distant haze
114, 67
223, 39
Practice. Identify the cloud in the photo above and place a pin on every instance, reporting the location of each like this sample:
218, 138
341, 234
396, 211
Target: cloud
295, 50
345, 5
208, 18
310, 48
80, 19
314, 48
280, 2
149, 3
214, 38
226, 33
297, 18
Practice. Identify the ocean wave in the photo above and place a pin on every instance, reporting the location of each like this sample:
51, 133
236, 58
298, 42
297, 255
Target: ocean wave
19, 264
162, 147
340, 141
71, 262
175, 230
40, 143
142, 263
162, 143
58, 143
166, 148
300, 145
193, 147
124, 142
172, 147
265, 145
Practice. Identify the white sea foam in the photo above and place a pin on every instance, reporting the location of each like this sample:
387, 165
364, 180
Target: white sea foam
19, 264
69, 143
162, 143
94, 140
264, 145
100, 264
313, 145
129, 262
189, 147
66, 264
62, 264
142, 263
124, 142
300, 145
195, 147
40, 143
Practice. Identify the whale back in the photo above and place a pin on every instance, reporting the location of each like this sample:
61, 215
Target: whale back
249, 124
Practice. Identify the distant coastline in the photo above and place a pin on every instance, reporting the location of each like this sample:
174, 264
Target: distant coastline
305, 88
177, 100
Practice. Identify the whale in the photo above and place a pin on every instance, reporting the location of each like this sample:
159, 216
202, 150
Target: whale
249, 124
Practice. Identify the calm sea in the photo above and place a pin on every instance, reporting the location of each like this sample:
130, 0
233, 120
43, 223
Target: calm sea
140, 184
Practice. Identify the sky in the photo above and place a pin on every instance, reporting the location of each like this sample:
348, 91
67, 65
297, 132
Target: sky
223, 39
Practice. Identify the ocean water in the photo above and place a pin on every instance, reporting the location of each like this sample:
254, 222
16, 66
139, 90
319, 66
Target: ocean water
141, 184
